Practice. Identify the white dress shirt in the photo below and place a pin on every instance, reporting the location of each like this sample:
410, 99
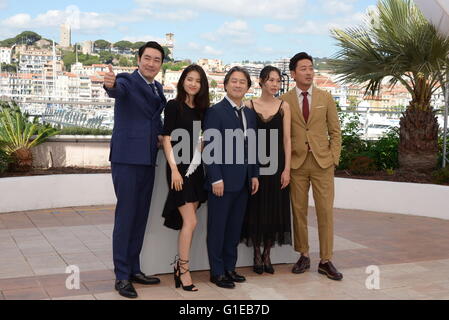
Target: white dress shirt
148, 82
236, 114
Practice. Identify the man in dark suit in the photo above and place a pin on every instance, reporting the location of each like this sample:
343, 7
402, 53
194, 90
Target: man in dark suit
134, 146
229, 182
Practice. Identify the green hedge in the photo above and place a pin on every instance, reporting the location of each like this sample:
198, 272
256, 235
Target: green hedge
77, 131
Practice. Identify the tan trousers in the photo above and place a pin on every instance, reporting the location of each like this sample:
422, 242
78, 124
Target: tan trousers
322, 181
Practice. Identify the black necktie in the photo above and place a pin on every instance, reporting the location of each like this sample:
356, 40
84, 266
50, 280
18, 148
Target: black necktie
153, 87
240, 116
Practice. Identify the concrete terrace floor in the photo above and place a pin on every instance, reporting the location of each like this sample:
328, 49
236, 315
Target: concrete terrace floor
411, 252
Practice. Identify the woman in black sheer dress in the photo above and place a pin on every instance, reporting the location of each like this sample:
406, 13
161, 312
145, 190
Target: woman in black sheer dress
267, 220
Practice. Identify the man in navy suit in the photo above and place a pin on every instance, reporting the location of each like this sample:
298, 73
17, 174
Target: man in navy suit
229, 184
139, 101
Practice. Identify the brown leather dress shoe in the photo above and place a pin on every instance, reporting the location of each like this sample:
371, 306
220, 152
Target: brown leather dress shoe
302, 265
330, 271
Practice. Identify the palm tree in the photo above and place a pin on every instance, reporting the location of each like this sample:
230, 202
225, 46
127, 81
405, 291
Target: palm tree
396, 43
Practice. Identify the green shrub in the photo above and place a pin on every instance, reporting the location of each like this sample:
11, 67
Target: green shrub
18, 135
5, 160
352, 143
441, 176
362, 165
385, 150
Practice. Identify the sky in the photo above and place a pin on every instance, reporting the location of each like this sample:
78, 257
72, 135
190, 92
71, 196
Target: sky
230, 30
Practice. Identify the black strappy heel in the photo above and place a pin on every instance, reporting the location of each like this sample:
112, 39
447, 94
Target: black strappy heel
178, 273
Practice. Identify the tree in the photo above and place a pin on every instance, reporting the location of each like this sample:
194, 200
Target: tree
124, 62
137, 45
106, 57
167, 54
10, 68
102, 44
123, 45
353, 102
399, 44
26, 37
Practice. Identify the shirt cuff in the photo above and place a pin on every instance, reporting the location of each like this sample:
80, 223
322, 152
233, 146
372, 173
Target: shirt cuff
217, 182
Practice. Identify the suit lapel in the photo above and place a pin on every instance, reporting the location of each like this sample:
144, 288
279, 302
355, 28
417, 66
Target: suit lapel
162, 96
249, 118
153, 103
315, 102
296, 110
231, 113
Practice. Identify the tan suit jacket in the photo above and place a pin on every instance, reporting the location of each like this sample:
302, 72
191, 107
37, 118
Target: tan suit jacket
322, 132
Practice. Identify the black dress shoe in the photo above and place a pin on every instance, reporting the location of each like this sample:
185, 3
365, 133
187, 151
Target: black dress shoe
222, 282
125, 289
234, 276
144, 279
330, 271
302, 265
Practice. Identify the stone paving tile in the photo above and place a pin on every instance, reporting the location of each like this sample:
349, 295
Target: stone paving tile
25, 294
17, 220
52, 279
95, 287
35, 248
19, 283
47, 264
17, 274
61, 290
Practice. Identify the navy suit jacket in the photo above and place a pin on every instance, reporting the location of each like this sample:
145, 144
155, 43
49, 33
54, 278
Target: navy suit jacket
137, 120
221, 117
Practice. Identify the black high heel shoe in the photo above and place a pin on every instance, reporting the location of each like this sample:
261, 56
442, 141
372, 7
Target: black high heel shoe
267, 266
178, 273
258, 268
258, 264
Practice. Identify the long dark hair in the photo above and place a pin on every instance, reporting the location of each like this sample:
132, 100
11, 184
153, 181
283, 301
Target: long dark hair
201, 99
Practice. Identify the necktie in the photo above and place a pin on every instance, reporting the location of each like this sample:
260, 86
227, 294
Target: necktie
153, 87
239, 114
156, 94
305, 106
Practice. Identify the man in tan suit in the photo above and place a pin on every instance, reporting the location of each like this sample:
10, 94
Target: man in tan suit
316, 147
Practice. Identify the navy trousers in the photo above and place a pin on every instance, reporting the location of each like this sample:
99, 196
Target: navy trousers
224, 226
133, 186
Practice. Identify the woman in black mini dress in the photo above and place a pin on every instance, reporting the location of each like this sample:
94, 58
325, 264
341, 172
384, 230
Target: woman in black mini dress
186, 190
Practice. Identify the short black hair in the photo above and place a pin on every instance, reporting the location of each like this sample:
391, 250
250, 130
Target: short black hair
238, 69
298, 57
265, 74
154, 45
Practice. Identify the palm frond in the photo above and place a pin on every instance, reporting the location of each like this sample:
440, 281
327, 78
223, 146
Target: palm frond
394, 41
